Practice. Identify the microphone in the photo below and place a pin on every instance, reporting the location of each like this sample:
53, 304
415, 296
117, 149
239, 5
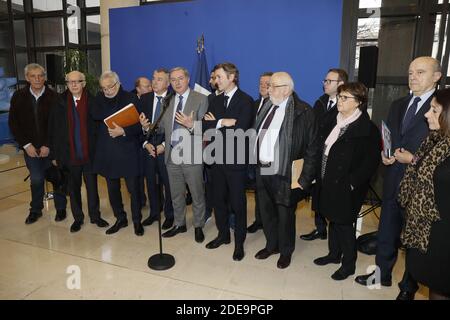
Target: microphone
164, 106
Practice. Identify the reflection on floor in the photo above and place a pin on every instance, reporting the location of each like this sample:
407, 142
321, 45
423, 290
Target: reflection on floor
40, 261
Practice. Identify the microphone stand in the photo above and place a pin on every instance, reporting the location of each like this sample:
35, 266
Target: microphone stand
160, 261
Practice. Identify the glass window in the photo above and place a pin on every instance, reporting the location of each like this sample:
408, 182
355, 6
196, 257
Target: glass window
22, 61
93, 29
369, 4
46, 5
53, 62
5, 38
17, 6
92, 3
19, 33
48, 32
95, 62
7, 63
368, 28
71, 2
3, 9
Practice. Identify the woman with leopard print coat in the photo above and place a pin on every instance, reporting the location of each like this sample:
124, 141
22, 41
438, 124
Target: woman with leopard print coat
424, 195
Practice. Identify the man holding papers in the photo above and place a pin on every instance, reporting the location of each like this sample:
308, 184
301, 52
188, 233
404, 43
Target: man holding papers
286, 131
118, 152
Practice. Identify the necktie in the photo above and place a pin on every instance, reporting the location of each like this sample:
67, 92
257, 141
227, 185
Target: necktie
330, 105
225, 101
410, 115
77, 131
175, 136
263, 102
157, 109
265, 126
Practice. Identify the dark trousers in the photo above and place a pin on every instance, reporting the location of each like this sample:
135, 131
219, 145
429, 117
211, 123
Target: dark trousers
278, 221
115, 198
78, 174
37, 167
229, 188
258, 219
209, 190
155, 173
342, 243
320, 222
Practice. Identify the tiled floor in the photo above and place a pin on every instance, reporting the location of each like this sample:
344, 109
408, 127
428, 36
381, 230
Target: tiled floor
34, 259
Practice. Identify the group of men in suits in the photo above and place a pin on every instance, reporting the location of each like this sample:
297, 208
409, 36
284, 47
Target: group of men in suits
68, 129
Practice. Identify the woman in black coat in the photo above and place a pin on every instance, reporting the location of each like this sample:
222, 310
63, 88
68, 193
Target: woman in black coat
351, 154
424, 195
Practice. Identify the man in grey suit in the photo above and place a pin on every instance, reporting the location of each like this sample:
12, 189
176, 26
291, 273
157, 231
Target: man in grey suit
185, 108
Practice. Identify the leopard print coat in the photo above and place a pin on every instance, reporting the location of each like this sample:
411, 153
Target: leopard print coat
417, 191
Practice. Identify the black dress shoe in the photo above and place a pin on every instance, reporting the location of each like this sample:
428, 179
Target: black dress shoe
149, 221
138, 229
217, 242
323, 261
174, 231
199, 236
238, 253
264, 254
341, 274
365, 281
284, 261
405, 296
33, 217
117, 226
254, 227
76, 226
100, 223
314, 235
60, 215
168, 223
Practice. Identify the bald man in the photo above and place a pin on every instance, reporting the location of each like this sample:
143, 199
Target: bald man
286, 131
72, 137
408, 128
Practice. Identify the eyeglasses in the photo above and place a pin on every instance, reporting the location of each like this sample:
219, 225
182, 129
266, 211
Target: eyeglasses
328, 81
109, 88
74, 82
276, 86
344, 98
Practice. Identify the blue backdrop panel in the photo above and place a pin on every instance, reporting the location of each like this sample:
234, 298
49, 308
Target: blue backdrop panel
300, 37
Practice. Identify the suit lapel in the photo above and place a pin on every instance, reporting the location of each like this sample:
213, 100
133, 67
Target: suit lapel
402, 111
420, 116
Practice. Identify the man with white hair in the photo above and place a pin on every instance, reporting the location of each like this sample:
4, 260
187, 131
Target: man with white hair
72, 139
28, 121
118, 152
286, 131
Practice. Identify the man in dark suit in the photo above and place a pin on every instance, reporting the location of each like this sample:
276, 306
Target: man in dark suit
408, 128
324, 109
154, 166
28, 122
72, 139
286, 131
264, 81
231, 111
118, 152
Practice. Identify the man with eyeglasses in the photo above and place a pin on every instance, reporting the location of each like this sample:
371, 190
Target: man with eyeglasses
28, 122
286, 131
72, 139
325, 109
118, 152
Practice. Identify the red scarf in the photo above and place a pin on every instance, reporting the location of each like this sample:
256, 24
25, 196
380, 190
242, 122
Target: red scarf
82, 109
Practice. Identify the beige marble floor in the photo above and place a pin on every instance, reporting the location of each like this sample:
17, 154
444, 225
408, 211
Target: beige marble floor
36, 260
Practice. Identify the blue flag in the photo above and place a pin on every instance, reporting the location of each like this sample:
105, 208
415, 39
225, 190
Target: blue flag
201, 83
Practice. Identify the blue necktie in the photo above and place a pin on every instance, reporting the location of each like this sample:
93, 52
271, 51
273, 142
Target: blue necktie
158, 109
77, 132
410, 115
176, 125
